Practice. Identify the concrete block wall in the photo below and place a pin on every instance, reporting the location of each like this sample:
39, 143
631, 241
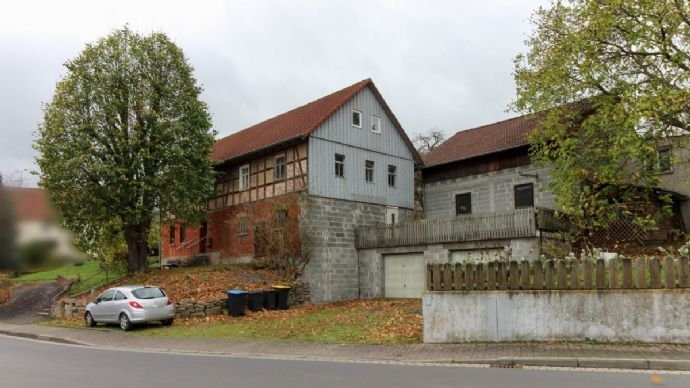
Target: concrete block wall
491, 191
371, 261
601, 315
371, 273
329, 224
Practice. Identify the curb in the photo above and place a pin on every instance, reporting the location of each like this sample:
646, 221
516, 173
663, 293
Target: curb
501, 362
42, 337
584, 362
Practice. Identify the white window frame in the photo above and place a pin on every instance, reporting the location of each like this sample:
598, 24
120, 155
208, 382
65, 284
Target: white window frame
366, 171
378, 121
393, 174
243, 226
341, 164
392, 215
358, 112
245, 179
284, 168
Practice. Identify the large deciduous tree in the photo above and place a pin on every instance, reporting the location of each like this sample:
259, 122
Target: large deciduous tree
612, 80
124, 140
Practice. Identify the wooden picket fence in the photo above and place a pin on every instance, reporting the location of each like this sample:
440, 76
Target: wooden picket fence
563, 274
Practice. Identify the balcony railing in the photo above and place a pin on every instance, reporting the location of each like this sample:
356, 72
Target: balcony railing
471, 227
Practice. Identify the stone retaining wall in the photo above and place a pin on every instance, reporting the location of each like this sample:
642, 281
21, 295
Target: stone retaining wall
185, 308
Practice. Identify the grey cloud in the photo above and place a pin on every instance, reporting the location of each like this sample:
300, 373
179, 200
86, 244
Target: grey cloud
444, 64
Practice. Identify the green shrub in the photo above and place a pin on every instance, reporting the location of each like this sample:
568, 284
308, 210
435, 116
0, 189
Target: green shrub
36, 253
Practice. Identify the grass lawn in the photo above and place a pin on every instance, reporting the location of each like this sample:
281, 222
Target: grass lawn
89, 268
360, 322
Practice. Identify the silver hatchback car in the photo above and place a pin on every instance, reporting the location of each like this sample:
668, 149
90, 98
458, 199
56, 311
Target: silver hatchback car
130, 305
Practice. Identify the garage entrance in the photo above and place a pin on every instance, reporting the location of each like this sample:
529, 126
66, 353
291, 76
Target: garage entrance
404, 275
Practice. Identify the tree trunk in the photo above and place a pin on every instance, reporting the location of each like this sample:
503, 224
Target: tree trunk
136, 237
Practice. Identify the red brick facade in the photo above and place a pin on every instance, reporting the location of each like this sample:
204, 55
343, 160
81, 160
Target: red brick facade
234, 212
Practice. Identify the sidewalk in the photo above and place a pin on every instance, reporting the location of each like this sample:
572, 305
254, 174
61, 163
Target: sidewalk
626, 356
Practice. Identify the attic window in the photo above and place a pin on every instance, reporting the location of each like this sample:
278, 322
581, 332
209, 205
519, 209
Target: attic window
356, 118
375, 124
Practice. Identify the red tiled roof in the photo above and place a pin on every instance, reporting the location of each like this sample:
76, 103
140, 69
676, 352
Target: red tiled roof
483, 140
297, 123
31, 204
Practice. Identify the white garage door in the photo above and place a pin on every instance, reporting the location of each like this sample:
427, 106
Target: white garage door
404, 275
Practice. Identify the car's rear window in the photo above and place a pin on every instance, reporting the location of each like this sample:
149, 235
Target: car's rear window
148, 293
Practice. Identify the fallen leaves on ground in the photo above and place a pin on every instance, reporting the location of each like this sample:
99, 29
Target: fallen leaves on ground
4, 295
376, 321
5, 291
202, 283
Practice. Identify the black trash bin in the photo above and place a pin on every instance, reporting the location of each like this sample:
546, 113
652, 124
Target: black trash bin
270, 298
256, 300
237, 300
282, 301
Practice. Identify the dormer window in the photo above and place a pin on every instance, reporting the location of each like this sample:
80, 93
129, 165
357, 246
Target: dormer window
356, 118
375, 124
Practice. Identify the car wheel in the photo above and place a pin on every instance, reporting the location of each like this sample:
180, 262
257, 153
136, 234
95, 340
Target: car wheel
88, 320
125, 324
167, 322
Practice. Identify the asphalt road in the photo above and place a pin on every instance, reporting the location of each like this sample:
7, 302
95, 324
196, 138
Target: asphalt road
27, 301
26, 363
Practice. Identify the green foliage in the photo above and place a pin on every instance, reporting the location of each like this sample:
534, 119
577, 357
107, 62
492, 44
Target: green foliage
124, 138
35, 254
610, 79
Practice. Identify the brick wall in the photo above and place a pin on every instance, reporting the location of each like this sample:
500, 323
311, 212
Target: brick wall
224, 242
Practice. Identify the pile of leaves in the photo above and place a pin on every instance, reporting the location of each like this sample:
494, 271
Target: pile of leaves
5, 291
202, 283
376, 321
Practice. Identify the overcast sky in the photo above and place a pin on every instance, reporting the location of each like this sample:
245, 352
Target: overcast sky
444, 64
